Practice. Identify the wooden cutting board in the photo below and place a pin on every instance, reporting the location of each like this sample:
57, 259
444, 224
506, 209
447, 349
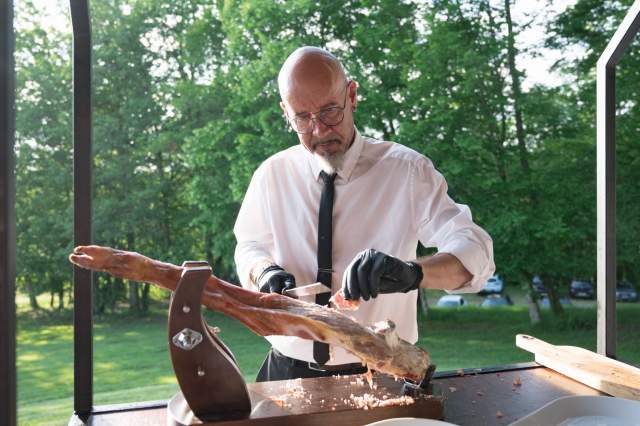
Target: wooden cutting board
597, 371
322, 401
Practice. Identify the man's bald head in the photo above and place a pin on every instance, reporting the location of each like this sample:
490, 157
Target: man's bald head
310, 64
318, 102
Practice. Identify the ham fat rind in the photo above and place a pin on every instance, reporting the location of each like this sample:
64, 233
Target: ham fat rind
270, 314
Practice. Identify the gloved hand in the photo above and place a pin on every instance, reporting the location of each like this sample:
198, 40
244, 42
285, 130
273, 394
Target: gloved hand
372, 272
274, 279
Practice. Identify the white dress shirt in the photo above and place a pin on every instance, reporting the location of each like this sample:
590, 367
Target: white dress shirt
387, 197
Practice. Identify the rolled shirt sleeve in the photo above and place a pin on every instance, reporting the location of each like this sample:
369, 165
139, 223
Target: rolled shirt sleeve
449, 227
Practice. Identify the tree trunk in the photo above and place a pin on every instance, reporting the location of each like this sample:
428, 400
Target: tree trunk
61, 297
33, 302
554, 297
500, 162
133, 296
208, 245
532, 304
515, 87
119, 289
164, 200
554, 301
501, 129
70, 299
144, 300
99, 296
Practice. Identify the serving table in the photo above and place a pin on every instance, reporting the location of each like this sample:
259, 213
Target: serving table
494, 396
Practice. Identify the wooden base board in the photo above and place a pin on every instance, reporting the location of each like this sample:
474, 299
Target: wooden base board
339, 400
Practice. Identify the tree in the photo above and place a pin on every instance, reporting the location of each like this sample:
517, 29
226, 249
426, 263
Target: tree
43, 160
590, 25
186, 108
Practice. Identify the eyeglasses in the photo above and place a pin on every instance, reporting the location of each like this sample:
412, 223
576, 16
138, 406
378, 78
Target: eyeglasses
332, 116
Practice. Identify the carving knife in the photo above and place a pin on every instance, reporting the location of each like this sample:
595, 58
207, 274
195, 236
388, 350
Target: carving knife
308, 290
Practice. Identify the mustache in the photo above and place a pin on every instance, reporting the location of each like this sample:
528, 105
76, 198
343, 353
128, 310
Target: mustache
332, 140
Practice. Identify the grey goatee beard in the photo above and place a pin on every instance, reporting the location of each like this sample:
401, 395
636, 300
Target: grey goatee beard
330, 163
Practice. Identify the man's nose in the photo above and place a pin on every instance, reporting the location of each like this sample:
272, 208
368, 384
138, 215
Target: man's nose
319, 128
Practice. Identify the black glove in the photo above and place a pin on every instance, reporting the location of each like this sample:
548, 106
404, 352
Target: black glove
372, 272
274, 279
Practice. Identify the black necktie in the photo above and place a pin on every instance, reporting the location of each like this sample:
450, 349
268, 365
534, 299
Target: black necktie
321, 350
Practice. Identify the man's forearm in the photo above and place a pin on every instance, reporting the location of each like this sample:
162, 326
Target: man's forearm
443, 271
251, 259
256, 271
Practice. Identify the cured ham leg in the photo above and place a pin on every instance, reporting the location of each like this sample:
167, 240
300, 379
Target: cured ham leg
271, 314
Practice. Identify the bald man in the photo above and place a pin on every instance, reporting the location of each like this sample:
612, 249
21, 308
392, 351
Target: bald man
378, 200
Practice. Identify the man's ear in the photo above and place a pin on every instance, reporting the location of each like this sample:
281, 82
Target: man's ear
353, 94
285, 117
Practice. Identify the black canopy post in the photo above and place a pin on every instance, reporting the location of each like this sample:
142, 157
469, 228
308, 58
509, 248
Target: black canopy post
82, 279
606, 178
7, 219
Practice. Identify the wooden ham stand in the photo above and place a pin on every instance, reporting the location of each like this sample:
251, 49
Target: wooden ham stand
214, 392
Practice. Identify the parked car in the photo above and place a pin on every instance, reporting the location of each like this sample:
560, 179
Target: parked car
451, 301
545, 303
582, 290
626, 292
538, 286
494, 285
495, 300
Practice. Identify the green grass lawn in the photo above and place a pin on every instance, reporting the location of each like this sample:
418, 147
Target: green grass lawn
131, 362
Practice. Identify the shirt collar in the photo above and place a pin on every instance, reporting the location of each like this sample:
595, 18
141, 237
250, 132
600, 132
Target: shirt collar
350, 160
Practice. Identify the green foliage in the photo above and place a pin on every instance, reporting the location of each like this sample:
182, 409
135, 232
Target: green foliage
591, 24
575, 320
186, 108
43, 158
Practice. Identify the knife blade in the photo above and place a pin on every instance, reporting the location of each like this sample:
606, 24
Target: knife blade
308, 290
